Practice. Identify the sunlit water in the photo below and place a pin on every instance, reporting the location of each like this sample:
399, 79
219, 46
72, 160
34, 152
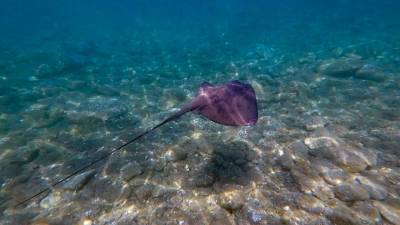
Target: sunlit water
80, 78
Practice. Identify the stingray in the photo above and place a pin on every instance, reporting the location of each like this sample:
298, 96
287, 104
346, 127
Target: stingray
232, 104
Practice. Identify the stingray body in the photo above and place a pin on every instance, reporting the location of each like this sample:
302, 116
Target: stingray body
232, 104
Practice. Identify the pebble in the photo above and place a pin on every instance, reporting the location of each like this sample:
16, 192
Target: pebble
118, 215
375, 188
160, 191
200, 179
390, 209
105, 188
392, 175
347, 160
144, 192
231, 200
343, 215
19, 217
113, 166
309, 182
331, 173
176, 154
311, 204
256, 216
351, 192
319, 142
131, 170
314, 122
369, 156
369, 214
321, 138
299, 150
51, 200
286, 160
76, 183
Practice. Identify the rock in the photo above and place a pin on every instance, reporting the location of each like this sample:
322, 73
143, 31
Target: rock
295, 216
343, 215
369, 214
281, 200
19, 217
319, 221
257, 204
392, 175
118, 215
145, 191
370, 72
76, 183
22, 186
319, 142
45, 153
131, 170
201, 180
157, 165
257, 216
114, 165
375, 189
219, 216
231, 200
286, 160
233, 151
351, 192
323, 192
160, 191
314, 122
299, 150
350, 161
369, 156
344, 67
105, 188
51, 200
390, 210
310, 204
331, 173
346, 159
136, 182
175, 154
310, 182
321, 138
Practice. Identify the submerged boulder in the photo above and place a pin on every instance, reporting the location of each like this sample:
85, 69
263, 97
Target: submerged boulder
344, 67
370, 72
77, 182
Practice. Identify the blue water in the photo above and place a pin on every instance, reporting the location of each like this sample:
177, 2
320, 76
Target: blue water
78, 78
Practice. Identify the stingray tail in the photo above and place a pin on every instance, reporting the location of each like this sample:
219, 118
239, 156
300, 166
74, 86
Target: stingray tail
174, 116
185, 109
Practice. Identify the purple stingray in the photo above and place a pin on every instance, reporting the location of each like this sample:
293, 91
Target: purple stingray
232, 104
